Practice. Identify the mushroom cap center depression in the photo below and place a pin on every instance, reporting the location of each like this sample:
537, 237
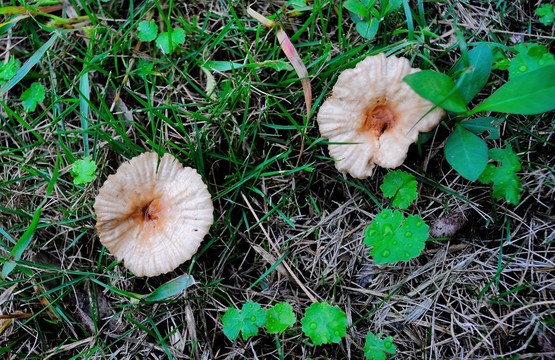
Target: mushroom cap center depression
378, 118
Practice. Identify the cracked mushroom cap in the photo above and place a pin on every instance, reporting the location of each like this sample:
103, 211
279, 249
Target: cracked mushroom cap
373, 116
153, 213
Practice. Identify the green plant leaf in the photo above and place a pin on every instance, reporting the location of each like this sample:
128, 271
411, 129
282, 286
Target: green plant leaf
83, 171
401, 186
171, 288
32, 96
530, 57
148, 30
177, 38
546, 14
505, 180
466, 153
22, 244
9, 69
279, 318
525, 95
28, 65
324, 324
357, 8
376, 348
479, 125
368, 28
438, 88
396, 238
477, 73
247, 321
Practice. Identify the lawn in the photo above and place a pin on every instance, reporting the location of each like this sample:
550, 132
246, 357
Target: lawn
295, 263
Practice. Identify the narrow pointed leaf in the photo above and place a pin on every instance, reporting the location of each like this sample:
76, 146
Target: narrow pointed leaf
477, 74
171, 288
25, 68
525, 95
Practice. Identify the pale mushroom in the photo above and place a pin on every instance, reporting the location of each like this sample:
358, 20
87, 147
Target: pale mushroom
373, 116
153, 213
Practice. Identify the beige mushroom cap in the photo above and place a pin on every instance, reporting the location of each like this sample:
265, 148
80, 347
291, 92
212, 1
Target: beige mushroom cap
152, 215
373, 116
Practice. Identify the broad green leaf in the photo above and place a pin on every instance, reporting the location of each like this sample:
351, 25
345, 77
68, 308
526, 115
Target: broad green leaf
28, 65
368, 28
477, 74
546, 14
466, 153
388, 6
177, 37
479, 125
438, 88
9, 69
401, 186
279, 318
376, 348
21, 244
148, 30
505, 180
324, 324
357, 8
32, 96
171, 288
395, 238
223, 65
530, 57
247, 321
525, 95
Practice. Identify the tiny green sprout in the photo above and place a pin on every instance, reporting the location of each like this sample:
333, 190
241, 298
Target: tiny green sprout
324, 323
401, 186
395, 237
546, 14
9, 69
530, 57
148, 30
505, 180
32, 96
376, 348
279, 318
83, 171
247, 321
177, 38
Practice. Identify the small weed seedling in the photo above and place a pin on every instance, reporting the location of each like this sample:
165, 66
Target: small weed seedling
367, 17
322, 323
546, 12
32, 96
83, 171
532, 94
9, 69
166, 41
392, 235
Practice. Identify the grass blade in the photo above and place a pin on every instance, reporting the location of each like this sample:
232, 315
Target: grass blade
25, 68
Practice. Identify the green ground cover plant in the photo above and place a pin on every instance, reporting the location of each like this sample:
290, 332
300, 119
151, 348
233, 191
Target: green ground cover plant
233, 90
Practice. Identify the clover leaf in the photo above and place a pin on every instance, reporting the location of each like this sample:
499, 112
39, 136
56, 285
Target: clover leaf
32, 96
9, 69
546, 14
324, 323
83, 171
279, 318
505, 181
530, 57
396, 238
247, 321
177, 37
376, 348
401, 186
147, 30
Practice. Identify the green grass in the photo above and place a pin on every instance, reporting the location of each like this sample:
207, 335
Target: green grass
69, 298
